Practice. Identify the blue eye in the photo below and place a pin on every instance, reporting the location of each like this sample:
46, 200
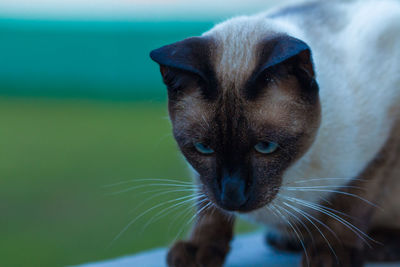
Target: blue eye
266, 147
203, 148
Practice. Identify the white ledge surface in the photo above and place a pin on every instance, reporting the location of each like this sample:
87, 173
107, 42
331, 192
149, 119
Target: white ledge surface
247, 250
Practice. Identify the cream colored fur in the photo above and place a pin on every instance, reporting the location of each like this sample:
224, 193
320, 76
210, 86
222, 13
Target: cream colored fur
356, 52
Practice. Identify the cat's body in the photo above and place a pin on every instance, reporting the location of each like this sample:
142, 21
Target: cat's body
356, 52
266, 144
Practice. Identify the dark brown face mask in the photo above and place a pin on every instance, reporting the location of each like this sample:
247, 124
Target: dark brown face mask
241, 141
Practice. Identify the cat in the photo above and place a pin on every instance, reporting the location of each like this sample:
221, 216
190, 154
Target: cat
291, 118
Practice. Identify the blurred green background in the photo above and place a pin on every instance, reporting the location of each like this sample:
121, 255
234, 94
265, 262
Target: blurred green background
81, 107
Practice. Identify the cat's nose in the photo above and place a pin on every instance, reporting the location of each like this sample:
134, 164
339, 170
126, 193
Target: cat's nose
233, 192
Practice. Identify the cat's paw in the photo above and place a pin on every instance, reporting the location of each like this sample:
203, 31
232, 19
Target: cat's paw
322, 256
187, 254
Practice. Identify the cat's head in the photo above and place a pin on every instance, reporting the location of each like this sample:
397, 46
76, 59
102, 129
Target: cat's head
244, 107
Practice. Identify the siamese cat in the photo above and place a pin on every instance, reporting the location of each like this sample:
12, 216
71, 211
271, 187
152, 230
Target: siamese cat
291, 119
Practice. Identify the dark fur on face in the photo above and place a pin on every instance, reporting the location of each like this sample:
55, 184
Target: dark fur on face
277, 103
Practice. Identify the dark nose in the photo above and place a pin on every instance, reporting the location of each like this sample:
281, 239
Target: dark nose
233, 191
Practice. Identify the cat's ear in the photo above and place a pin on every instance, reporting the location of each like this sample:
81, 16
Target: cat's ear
280, 56
284, 48
184, 63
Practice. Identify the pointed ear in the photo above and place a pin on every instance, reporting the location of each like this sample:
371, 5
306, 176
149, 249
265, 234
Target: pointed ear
281, 55
283, 48
188, 55
184, 63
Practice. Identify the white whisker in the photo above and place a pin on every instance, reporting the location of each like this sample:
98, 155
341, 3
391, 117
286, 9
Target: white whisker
149, 185
316, 227
146, 212
184, 213
194, 216
169, 209
334, 191
294, 230
163, 189
350, 226
301, 222
148, 180
157, 195
324, 186
324, 207
290, 214
325, 179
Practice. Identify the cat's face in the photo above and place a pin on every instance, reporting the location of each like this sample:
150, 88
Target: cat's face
241, 118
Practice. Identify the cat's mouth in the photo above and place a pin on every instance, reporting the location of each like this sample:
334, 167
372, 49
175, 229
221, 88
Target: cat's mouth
249, 205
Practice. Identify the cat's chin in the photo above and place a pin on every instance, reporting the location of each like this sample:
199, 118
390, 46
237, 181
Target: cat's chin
253, 203
247, 207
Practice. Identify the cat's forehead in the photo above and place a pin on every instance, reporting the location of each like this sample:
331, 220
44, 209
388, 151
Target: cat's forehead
236, 48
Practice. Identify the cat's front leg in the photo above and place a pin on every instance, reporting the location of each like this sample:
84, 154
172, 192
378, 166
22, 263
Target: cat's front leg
209, 241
